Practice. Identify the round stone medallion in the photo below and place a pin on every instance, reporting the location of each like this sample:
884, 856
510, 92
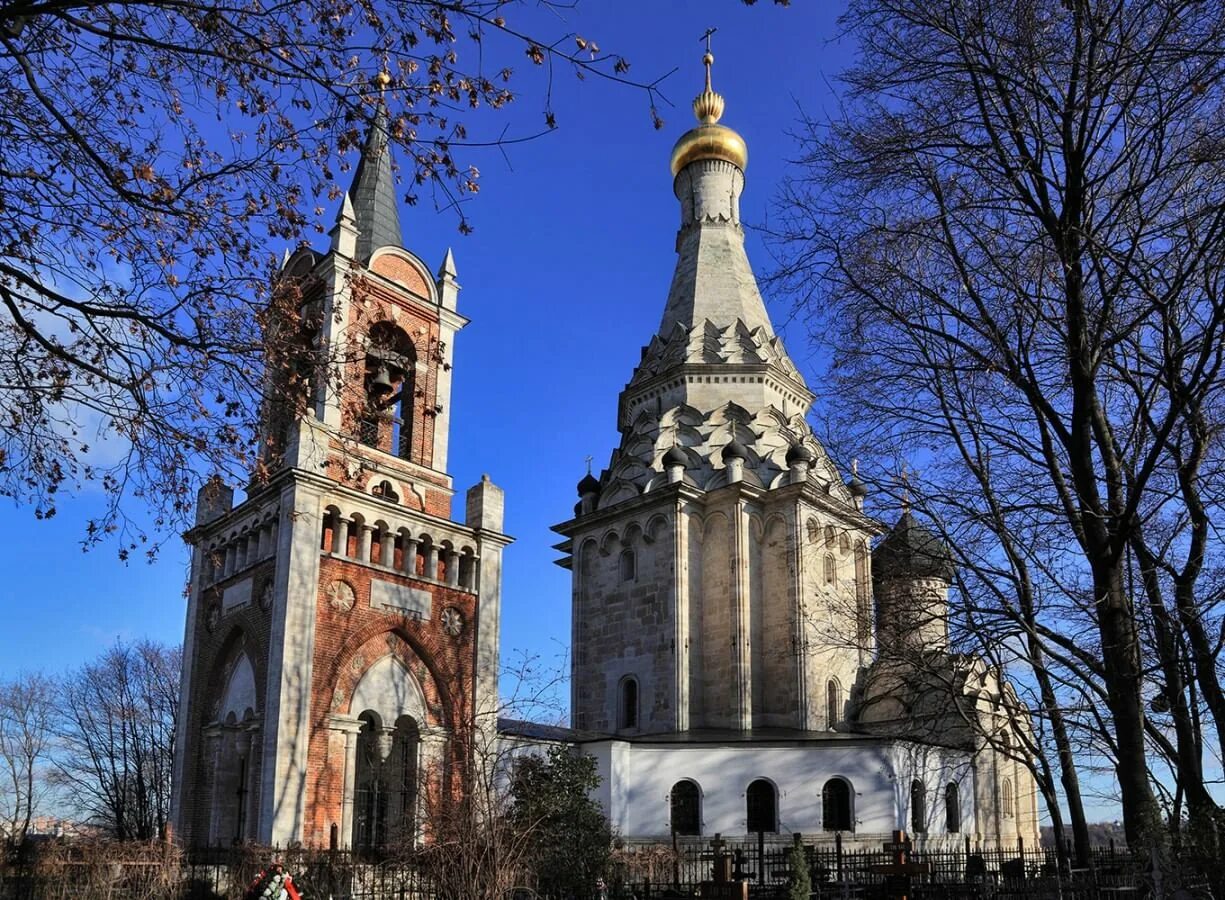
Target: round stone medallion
341, 595
452, 621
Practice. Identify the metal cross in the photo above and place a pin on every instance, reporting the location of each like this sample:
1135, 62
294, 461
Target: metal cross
588, 458
706, 37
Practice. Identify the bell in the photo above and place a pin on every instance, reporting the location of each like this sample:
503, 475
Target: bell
380, 385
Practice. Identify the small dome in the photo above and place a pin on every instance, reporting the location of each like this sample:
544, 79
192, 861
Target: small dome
589, 485
709, 140
798, 453
735, 450
676, 457
857, 487
912, 551
712, 141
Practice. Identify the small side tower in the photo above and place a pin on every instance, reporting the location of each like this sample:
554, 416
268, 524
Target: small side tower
341, 644
912, 569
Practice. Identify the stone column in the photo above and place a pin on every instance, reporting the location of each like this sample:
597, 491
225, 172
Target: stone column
250, 827
227, 568
365, 537
431, 562
452, 559
212, 752
349, 728
340, 536
408, 561
387, 552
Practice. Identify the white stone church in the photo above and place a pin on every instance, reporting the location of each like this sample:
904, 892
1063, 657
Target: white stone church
744, 660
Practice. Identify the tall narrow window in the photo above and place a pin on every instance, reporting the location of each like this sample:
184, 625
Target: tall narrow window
629, 565
1006, 800
833, 704
863, 598
831, 571
952, 808
370, 794
402, 426
836, 805
686, 808
918, 807
761, 802
628, 713
240, 818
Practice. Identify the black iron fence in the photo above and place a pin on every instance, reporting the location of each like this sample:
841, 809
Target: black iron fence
638, 870
964, 872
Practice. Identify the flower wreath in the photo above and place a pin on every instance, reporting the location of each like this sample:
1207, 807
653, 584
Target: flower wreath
274, 883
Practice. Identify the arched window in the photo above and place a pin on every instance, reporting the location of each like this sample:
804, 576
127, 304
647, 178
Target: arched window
830, 535
952, 808
836, 806
1006, 801
629, 565
686, 808
761, 802
844, 543
627, 713
831, 571
370, 794
833, 704
918, 807
390, 386
863, 596
386, 783
386, 490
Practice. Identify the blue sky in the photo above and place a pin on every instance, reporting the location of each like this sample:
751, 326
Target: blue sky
564, 280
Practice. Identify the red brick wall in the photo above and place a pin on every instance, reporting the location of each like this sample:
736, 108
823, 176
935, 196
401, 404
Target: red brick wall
402, 271
443, 665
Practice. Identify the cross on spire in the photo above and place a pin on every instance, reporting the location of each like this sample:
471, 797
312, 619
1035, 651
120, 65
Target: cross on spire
709, 58
588, 459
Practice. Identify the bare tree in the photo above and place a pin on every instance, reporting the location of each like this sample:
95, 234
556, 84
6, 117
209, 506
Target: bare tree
27, 721
1015, 225
118, 738
155, 151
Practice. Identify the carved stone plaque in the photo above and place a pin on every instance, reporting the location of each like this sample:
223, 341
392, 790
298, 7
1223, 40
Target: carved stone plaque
341, 595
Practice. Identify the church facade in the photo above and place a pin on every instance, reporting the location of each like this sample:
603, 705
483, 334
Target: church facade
743, 660
342, 629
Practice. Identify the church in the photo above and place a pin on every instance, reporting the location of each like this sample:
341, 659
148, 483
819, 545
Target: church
744, 659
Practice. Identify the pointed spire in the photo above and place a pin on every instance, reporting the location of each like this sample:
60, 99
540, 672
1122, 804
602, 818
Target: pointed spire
374, 207
447, 269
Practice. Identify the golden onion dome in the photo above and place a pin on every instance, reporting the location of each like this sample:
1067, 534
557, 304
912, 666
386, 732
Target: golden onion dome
709, 140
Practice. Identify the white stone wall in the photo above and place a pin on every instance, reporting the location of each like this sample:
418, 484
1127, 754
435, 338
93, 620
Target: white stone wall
637, 778
624, 627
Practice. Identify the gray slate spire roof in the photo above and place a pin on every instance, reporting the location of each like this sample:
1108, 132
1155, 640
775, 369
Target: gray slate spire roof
373, 192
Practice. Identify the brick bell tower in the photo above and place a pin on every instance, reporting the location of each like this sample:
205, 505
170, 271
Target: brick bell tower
341, 646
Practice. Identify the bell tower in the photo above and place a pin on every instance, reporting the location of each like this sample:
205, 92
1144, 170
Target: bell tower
341, 644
